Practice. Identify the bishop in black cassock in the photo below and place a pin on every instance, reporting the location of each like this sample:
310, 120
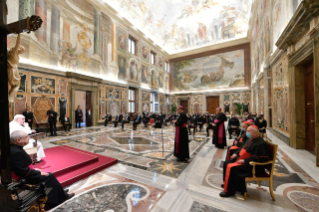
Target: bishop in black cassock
22, 168
181, 149
219, 136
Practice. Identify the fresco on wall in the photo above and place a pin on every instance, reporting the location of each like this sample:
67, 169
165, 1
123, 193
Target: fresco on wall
102, 109
121, 41
145, 74
63, 87
160, 79
211, 72
122, 68
160, 62
166, 83
42, 85
114, 93
154, 78
123, 108
146, 107
181, 25
114, 107
20, 103
40, 106
146, 97
133, 70
145, 51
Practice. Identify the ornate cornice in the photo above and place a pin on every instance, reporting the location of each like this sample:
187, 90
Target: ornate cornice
299, 23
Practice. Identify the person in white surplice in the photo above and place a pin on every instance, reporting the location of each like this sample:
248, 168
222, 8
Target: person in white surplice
19, 124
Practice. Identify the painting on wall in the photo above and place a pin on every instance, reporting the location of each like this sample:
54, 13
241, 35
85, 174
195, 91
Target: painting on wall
103, 109
42, 85
114, 93
211, 72
123, 108
146, 107
160, 79
160, 62
166, 83
145, 74
133, 69
40, 106
114, 107
20, 103
146, 97
154, 78
121, 41
63, 87
23, 83
145, 51
124, 94
279, 109
122, 68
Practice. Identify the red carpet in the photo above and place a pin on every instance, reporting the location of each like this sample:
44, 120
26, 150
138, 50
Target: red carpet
70, 165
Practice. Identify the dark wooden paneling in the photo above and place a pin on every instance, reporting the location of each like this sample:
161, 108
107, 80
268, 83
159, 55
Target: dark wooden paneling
310, 109
212, 102
184, 103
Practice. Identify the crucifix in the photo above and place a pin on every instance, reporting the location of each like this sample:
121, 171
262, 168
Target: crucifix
10, 199
26, 25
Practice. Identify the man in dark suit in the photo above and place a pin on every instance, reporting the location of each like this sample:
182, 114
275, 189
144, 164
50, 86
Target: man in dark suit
107, 118
66, 123
28, 117
78, 117
192, 124
88, 118
117, 119
137, 120
146, 119
201, 121
233, 125
158, 121
52, 121
126, 119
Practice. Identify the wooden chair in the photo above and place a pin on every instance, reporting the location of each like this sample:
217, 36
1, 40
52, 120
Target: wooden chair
270, 165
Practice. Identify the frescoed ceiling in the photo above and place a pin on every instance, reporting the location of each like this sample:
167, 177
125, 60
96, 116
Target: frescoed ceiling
180, 25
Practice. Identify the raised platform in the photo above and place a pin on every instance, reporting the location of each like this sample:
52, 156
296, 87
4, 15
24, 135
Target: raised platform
70, 165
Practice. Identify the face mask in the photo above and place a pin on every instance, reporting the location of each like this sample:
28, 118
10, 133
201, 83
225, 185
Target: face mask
248, 135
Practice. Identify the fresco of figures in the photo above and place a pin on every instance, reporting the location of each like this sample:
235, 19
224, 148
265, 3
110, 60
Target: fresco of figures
145, 75
211, 72
180, 25
154, 78
122, 68
134, 70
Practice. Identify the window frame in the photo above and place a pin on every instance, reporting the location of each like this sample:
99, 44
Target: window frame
132, 40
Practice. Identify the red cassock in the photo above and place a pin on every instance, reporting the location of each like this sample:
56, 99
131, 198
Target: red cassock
256, 150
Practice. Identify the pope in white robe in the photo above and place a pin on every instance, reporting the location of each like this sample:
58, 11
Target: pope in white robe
19, 124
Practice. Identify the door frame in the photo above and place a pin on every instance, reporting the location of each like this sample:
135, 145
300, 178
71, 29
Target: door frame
309, 51
219, 101
94, 102
184, 98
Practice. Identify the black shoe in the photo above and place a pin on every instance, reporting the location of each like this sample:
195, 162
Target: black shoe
225, 194
222, 185
70, 196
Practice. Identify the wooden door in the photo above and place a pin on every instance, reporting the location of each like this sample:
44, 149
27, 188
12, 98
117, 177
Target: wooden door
310, 109
88, 100
212, 102
184, 103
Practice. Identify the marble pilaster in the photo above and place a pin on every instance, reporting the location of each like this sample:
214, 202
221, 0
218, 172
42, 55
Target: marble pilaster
114, 42
55, 29
97, 39
26, 8
41, 10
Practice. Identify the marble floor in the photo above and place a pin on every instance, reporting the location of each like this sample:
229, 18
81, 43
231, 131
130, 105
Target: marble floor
148, 177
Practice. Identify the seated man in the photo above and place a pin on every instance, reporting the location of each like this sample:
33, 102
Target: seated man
240, 141
201, 121
192, 124
233, 125
18, 124
167, 120
137, 120
237, 168
158, 121
117, 119
126, 119
21, 165
146, 119
66, 123
210, 122
107, 118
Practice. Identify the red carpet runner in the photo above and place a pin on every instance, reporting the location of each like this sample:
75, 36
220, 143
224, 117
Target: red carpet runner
70, 165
